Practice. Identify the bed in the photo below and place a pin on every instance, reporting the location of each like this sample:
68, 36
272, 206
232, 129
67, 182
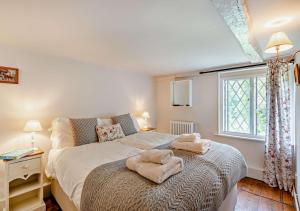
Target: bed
71, 166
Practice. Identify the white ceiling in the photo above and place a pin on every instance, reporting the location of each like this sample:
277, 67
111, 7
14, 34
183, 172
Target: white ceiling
151, 36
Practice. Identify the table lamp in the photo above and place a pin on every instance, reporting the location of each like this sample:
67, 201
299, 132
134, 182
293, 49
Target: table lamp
33, 126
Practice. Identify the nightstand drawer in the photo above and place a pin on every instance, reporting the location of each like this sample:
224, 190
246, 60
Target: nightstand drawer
24, 169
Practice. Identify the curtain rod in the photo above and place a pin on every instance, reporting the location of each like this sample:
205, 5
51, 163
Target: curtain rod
238, 67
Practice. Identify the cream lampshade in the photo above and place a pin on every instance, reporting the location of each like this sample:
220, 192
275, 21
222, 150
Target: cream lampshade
278, 42
33, 126
146, 116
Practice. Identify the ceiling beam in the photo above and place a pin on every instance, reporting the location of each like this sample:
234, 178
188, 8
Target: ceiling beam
236, 16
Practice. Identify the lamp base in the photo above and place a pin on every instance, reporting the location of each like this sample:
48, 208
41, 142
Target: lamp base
33, 147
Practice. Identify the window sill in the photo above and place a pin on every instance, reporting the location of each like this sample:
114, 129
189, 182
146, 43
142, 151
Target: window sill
240, 137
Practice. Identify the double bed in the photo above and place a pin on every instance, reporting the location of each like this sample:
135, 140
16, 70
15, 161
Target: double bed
220, 168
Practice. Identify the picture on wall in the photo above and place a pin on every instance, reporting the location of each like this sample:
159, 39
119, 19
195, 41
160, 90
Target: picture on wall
297, 74
9, 75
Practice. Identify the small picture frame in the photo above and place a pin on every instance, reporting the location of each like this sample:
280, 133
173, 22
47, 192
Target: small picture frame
297, 74
9, 75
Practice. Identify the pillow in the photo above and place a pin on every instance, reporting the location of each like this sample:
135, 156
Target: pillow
126, 123
109, 133
135, 122
84, 130
104, 122
62, 134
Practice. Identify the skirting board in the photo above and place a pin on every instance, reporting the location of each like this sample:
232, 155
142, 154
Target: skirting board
255, 173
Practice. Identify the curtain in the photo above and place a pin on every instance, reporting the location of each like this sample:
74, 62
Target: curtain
278, 165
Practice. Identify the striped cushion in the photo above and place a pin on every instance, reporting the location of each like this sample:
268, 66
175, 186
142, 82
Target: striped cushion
126, 123
84, 130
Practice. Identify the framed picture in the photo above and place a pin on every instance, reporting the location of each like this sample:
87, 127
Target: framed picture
9, 75
297, 74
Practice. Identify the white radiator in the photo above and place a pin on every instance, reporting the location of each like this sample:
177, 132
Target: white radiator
181, 127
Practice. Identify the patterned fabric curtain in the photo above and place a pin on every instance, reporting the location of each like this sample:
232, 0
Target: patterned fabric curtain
278, 166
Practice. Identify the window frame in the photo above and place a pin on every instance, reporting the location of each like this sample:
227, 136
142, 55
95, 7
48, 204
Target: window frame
240, 74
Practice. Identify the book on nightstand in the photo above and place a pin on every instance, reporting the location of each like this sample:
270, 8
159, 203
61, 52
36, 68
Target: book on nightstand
16, 154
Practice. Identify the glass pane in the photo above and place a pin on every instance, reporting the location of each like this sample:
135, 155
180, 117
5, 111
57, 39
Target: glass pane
261, 106
238, 105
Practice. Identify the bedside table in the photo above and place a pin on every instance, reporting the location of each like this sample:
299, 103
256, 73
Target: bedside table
148, 129
23, 187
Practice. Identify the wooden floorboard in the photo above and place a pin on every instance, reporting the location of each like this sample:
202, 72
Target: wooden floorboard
256, 195
253, 195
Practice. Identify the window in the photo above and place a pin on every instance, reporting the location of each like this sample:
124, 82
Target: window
242, 109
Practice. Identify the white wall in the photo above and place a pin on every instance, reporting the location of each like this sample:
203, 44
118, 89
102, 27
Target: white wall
51, 87
204, 113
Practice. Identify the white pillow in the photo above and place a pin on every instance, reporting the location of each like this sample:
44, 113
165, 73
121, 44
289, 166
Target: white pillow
104, 122
62, 133
135, 122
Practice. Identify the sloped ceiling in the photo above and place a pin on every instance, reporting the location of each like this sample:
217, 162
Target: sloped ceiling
154, 37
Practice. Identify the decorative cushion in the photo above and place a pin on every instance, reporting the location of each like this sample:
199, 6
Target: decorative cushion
126, 123
84, 130
109, 133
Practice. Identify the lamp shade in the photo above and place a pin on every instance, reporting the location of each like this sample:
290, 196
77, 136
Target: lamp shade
33, 126
146, 115
278, 41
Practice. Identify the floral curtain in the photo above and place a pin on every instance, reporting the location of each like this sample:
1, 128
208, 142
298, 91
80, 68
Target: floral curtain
278, 166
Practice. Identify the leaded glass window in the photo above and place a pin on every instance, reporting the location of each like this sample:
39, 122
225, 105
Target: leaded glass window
244, 105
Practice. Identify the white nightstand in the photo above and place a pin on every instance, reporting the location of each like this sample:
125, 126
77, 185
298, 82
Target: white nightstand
23, 187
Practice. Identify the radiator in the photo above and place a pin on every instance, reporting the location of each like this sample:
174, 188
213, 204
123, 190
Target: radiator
181, 127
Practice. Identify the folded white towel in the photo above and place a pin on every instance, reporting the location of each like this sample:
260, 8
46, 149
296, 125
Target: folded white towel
132, 162
155, 172
160, 156
199, 146
188, 137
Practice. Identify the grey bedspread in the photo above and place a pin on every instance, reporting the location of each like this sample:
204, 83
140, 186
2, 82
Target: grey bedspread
202, 185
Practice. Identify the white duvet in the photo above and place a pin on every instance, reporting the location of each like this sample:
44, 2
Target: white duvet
70, 166
147, 140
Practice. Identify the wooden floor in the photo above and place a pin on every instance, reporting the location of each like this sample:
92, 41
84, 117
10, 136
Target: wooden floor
256, 195
253, 195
